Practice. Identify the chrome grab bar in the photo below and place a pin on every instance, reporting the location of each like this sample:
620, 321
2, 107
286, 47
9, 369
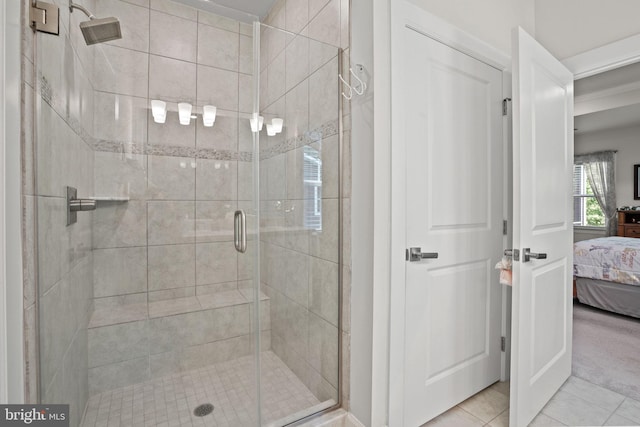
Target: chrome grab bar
240, 231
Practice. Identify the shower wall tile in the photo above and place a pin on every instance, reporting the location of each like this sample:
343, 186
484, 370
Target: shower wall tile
297, 61
315, 6
218, 21
297, 110
117, 343
324, 243
172, 80
214, 221
120, 118
165, 43
296, 232
171, 266
217, 287
120, 374
216, 179
218, 48
218, 87
75, 383
119, 271
173, 8
245, 105
296, 277
296, 15
223, 135
295, 174
121, 71
246, 262
164, 308
171, 294
52, 242
171, 178
276, 79
246, 55
171, 132
323, 348
117, 225
323, 289
56, 328
200, 327
171, 222
245, 181
325, 26
322, 95
216, 263
120, 175
199, 356
134, 23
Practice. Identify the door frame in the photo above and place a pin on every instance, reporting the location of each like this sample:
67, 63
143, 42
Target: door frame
11, 290
405, 14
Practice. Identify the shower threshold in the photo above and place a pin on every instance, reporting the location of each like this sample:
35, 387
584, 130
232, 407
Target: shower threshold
228, 386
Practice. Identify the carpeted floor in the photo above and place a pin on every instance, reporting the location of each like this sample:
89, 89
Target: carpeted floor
606, 349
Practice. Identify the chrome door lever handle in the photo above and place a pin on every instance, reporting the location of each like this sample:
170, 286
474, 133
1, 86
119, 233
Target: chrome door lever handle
527, 255
416, 254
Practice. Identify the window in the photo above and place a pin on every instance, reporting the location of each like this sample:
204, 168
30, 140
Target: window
312, 189
586, 209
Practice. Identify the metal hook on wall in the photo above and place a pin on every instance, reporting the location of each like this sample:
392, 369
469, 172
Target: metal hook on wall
360, 88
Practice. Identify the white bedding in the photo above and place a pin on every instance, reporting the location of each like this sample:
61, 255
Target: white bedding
615, 259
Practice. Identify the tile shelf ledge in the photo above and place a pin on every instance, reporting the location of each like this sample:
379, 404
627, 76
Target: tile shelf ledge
109, 199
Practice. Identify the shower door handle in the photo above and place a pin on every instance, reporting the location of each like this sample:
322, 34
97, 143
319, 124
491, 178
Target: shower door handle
240, 231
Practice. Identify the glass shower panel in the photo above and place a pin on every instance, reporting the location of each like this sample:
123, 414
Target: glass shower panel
299, 196
146, 309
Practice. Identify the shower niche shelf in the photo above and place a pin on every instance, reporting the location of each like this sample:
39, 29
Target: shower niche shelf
109, 199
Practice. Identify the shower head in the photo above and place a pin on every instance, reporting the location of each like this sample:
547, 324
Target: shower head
101, 30
98, 30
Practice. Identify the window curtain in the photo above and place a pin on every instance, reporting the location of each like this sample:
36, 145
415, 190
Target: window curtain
600, 169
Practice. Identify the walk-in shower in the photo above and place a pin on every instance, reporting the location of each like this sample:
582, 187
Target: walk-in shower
147, 314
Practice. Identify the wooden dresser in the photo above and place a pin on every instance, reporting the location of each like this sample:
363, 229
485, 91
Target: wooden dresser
629, 223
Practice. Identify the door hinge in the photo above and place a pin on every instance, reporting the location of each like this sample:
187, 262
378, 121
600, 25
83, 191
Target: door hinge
505, 106
503, 343
505, 227
45, 17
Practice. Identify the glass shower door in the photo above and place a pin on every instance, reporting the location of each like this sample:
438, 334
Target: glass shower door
299, 164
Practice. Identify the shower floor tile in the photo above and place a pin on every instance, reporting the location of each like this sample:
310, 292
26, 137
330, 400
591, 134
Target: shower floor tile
229, 386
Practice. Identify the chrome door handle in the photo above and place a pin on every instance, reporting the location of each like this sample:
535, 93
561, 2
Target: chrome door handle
416, 254
527, 255
240, 231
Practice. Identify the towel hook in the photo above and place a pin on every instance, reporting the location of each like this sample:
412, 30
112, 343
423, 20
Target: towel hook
363, 85
348, 98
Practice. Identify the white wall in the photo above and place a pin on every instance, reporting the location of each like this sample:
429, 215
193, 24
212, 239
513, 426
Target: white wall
489, 20
569, 27
627, 142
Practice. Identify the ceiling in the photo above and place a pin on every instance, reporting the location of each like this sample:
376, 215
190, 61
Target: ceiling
241, 10
608, 85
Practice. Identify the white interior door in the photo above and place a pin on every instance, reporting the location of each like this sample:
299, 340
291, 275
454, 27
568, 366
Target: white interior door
543, 217
454, 169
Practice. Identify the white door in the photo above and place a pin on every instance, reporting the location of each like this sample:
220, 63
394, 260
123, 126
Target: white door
454, 170
543, 222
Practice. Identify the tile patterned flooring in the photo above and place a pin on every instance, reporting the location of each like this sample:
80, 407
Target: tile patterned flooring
577, 403
229, 386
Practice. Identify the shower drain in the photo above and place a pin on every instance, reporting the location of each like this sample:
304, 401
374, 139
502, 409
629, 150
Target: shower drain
202, 410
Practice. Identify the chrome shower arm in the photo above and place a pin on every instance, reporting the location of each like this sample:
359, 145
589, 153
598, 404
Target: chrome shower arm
72, 6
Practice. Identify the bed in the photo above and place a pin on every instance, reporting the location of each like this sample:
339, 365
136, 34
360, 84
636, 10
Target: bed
607, 272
